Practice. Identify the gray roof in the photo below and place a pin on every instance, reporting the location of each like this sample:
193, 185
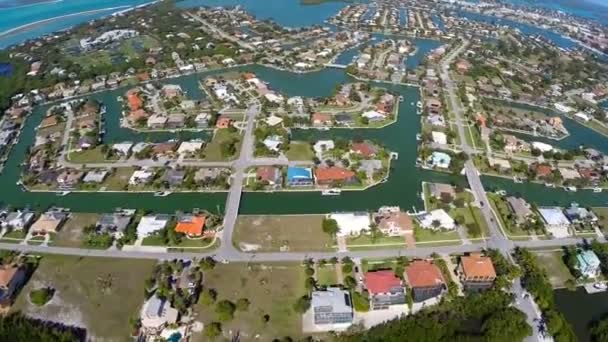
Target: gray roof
332, 300
520, 208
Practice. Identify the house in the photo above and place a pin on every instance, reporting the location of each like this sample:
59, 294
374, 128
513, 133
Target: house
323, 146
373, 115
395, 223
157, 313
364, 149
150, 224
157, 121
577, 214
542, 170
174, 178
176, 120
520, 209
299, 176
17, 220
223, 122
141, 177
202, 120
436, 219
207, 174
122, 148
441, 191
69, 178
191, 225
351, 223
332, 308
476, 272
439, 138
268, 175
440, 160
384, 288
588, 263
424, 279
334, 175
273, 120
114, 223
556, 223
188, 147
49, 222
273, 142
164, 149
95, 176
12, 278
321, 119
370, 166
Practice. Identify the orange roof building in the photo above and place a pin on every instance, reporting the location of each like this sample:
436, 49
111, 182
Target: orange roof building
321, 119
425, 279
223, 122
191, 225
476, 271
135, 102
329, 175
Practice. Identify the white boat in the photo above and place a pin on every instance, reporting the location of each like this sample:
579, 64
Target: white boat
400, 98
501, 192
570, 188
550, 185
600, 286
597, 189
517, 180
419, 104
331, 192
63, 193
418, 137
162, 193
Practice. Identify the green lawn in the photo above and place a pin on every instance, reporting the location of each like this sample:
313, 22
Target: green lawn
553, 263
427, 235
473, 221
326, 275
213, 150
299, 151
94, 155
99, 293
272, 290
602, 214
501, 208
119, 179
70, 234
269, 233
367, 240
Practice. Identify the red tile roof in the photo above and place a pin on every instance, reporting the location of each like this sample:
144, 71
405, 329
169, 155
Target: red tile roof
363, 149
476, 265
321, 118
266, 173
381, 281
193, 227
135, 102
422, 273
543, 170
334, 173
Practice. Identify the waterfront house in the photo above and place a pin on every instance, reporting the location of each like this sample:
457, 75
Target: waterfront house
384, 288
436, 220
323, 146
439, 138
364, 149
442, 191
568, 173
156, 314
334, 175
95, 176
332, 308
424, 279
141, 177
174, 178
273, 142
268, 175
12, 278
541, 170
17, 220
202, 120
69, 178
351, 223
588, 264
344, 119
577, 214
223, 122
166, 149
208, 174
556, 223
176, 120
189, 147
150, 224
436, 120
321, 119
440, 160
520, 209
476, 272
114, 223
191, 225
49, 222
157, 121
122, 149
373, 116
370, 166
394, 222
299, 176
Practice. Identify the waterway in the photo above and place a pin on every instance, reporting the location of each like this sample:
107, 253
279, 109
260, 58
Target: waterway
582, 309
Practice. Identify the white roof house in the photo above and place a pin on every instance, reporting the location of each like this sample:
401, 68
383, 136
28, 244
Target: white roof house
555, 221
95, 176
351, 223
151, 224
273, 120
274, 98
439, 138
582, 116
322, 146
156, 120
123, 148
563, 108
141, 176
189, 147
156, 313
568, 173
438, 215
273, 142
332, 309
373, 115
542, 146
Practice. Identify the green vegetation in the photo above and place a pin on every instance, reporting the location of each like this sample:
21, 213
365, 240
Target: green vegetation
17, 327
553, 264
224, 145
599, 331
41, 296
299, 151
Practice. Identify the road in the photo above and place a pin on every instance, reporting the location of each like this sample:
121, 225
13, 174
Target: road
221, 33
497, 239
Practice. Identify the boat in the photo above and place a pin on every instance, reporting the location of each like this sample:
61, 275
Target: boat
550, 185
600, 286
63, 193
570, 188
419, 104
400, 98
331, 192
501, 192
419, 111
162, 193
597, 189
517, 180
418, 137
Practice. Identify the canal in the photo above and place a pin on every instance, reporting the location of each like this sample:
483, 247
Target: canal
581, 309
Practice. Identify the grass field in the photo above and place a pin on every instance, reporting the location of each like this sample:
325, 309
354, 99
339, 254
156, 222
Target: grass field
426, 235
299, 151
213, 150
272, 289
70, 234
501, 208
395, 241
100, 294
602, 214
119, 179
553, 263
326, 275
475, 224
93, 155
269, 233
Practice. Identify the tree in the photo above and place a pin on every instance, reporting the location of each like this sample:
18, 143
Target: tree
208, 296
350, 282
330, 226
507, 325
41, 296
375, 232
225, 310
242, 304
207, 264
361, 301
213, 330
302, 304
599, 331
